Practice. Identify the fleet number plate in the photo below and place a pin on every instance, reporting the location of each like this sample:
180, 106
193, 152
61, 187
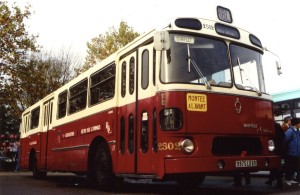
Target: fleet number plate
245, 163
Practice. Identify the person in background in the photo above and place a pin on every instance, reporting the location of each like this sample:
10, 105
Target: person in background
292, 140
18, 157
286, 123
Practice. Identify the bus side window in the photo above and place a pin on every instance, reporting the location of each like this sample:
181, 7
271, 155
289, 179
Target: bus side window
154, 67
131, 133
51, 108
122, 135
35, 116
123, 79
78, 97
25, 123
46, 122
103, 85
144, 132
131, 75
145, 69
62, 104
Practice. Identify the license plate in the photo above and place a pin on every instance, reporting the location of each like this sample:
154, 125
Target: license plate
245, 163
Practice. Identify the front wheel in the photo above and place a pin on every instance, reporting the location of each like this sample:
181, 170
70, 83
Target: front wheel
102, 168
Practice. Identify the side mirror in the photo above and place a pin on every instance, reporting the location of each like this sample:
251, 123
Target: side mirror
278, 65
161, 40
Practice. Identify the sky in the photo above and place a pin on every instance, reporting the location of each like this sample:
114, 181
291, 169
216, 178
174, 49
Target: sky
71, 24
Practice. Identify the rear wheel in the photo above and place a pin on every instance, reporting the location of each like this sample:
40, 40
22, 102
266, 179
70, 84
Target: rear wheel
102, 173
36, 173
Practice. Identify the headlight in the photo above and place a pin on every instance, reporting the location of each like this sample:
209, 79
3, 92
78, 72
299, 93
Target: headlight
187, 146
170, 119
271, 145
8, 160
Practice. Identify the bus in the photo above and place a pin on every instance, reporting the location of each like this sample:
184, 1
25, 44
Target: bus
286, 103
177, 103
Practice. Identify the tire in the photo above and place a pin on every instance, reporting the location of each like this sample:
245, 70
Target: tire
36, 173
102, 168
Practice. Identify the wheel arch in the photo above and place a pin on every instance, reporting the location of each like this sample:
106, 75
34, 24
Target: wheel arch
92, 150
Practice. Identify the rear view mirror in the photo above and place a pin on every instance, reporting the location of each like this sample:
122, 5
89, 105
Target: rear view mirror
278, 66
161, 40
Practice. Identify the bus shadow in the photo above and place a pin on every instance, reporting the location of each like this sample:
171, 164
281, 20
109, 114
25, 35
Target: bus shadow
210, 186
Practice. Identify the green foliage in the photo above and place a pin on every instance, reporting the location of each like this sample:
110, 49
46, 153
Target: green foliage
15, 44
26, 74
104, 45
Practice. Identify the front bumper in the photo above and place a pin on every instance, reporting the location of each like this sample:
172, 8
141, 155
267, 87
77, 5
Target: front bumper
209, 165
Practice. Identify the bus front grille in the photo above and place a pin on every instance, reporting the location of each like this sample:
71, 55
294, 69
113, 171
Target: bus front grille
226, 145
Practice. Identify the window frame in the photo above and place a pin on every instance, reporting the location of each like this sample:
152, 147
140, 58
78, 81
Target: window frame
104, 77
77, 96
60, 103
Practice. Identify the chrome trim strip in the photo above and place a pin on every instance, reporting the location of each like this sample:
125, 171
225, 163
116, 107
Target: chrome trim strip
71, 148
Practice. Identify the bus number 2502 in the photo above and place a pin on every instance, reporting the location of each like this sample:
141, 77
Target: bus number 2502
169, 146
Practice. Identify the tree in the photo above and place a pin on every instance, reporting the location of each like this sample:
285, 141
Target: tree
15, 42
43, 73
104, 45
26, 73
15, 45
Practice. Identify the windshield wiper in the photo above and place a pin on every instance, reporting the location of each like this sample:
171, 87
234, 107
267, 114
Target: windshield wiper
198, 71
241, 70
189, 58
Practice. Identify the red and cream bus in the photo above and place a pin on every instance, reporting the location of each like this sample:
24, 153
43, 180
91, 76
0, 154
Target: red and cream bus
176, 103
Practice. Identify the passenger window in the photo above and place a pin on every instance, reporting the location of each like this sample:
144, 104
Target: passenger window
62, 104
26, 124
123, 79
103, 85
122, 135
78, 97
145, 69
51, 108
154, 66
131, 75
35, 116
131, 133
144, 132
45, 115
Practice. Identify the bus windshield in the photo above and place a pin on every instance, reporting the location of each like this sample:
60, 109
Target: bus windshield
204, 61
247, 68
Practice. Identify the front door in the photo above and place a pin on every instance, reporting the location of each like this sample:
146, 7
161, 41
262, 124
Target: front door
127, 114
146, 111
137, 111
